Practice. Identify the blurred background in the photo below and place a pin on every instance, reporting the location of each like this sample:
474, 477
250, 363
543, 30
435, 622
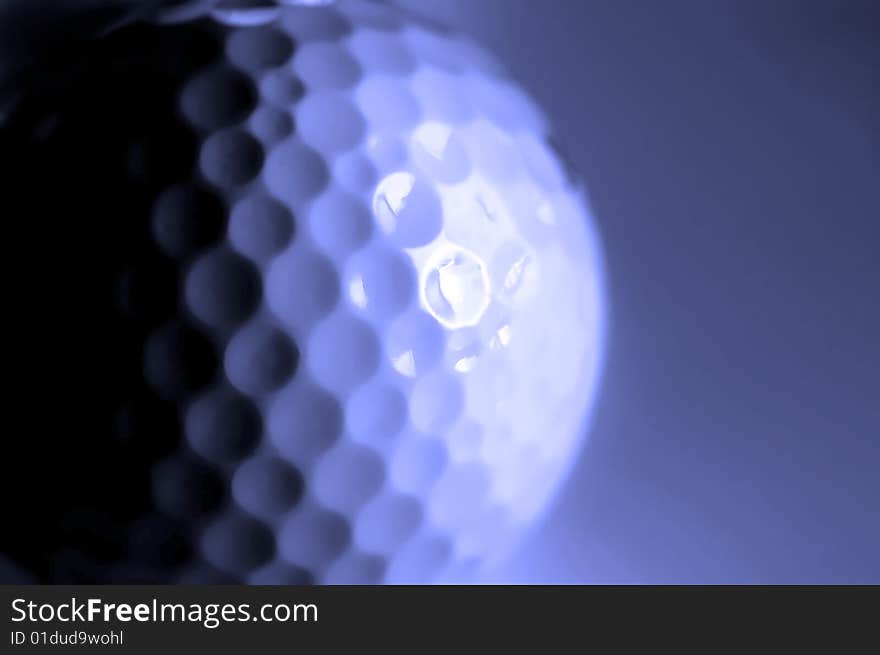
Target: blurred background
732, 154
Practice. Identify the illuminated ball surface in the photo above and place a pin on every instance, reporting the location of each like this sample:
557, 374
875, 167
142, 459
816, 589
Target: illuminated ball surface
365, 311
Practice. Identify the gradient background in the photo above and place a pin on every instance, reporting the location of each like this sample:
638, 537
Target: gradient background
732, 154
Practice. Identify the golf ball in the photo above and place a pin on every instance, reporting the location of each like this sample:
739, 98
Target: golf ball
355, 301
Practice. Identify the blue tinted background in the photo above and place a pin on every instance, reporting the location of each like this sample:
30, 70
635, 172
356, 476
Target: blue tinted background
732, 155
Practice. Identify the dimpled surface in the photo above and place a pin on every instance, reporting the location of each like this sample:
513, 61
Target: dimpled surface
388, 321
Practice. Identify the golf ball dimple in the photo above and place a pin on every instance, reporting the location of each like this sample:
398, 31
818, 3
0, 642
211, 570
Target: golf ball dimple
372, 295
